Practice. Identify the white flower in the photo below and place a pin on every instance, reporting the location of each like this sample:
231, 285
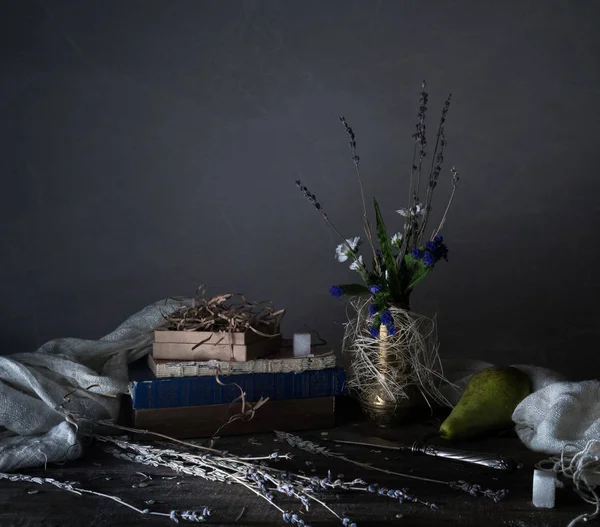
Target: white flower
396, 239
416, 210
357, 264
342, 251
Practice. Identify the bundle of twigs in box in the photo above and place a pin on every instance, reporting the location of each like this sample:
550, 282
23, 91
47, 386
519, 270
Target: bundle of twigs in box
216, 315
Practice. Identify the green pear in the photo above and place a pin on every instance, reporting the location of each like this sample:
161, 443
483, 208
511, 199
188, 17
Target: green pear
487, 404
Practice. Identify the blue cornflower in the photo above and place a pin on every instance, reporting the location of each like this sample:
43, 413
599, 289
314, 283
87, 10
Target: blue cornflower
417, 253
374, 289
374, 331
391, 330
429, 259
438, 239
386, 318
431, 246
372, 310
336, 290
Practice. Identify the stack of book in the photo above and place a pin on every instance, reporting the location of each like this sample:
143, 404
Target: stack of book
191, 385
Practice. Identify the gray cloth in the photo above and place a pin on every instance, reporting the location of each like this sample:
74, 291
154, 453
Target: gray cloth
39, 391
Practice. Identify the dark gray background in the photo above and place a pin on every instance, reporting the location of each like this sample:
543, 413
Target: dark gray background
152, 146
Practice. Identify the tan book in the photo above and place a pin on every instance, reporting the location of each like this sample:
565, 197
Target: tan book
280, 362
197, 351
203, 421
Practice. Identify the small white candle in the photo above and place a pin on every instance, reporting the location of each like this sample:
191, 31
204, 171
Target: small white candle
544, 488
301, 344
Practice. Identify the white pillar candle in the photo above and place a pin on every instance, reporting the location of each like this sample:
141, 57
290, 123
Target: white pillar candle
301, 344
544, 488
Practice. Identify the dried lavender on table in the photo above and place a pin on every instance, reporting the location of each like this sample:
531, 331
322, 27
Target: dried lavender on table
253, 473
71, 486
314, 448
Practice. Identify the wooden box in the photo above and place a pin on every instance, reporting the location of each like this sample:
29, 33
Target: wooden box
208, 345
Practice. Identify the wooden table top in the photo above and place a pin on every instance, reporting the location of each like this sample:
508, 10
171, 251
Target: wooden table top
99, 471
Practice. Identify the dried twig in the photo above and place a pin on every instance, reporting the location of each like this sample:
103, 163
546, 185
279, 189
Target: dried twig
215, 315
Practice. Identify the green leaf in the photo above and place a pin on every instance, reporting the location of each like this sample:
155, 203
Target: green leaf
354, 289
417, 271
386, 252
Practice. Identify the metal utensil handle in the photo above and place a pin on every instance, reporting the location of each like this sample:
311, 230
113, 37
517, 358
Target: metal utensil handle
496, 461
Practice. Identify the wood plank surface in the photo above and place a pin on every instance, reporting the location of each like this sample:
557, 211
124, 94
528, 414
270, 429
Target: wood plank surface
99, 471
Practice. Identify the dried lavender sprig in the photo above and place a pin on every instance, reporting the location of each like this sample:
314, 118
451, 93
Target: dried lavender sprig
261, 479
293, 518
411, 225
314, 448
436, 164
191, 516
185, 463
313, 199
213, 465
352, 143
420, 132
455, 179
356, 160
477, 490
438, 156
69, 486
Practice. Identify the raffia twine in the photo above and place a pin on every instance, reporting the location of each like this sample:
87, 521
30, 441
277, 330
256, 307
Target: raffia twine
388, 366
582, 466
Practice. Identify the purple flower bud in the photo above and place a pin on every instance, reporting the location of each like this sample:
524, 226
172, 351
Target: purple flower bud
431, 246
429, 259
417, 253
386, 318
336, 291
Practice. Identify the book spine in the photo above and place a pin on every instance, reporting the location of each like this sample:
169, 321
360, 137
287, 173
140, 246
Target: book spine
195, 391
206, 368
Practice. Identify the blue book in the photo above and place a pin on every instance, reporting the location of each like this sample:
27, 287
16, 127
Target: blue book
148, 391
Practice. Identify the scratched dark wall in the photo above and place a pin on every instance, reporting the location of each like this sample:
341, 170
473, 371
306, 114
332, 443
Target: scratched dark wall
152, 146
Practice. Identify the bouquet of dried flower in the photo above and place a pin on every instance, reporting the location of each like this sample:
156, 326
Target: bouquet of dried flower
405, 258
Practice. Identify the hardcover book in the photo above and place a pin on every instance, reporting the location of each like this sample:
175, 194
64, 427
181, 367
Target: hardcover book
283, 361
204, 421
148, 391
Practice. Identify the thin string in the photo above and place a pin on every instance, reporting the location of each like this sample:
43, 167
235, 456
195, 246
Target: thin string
582, 466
